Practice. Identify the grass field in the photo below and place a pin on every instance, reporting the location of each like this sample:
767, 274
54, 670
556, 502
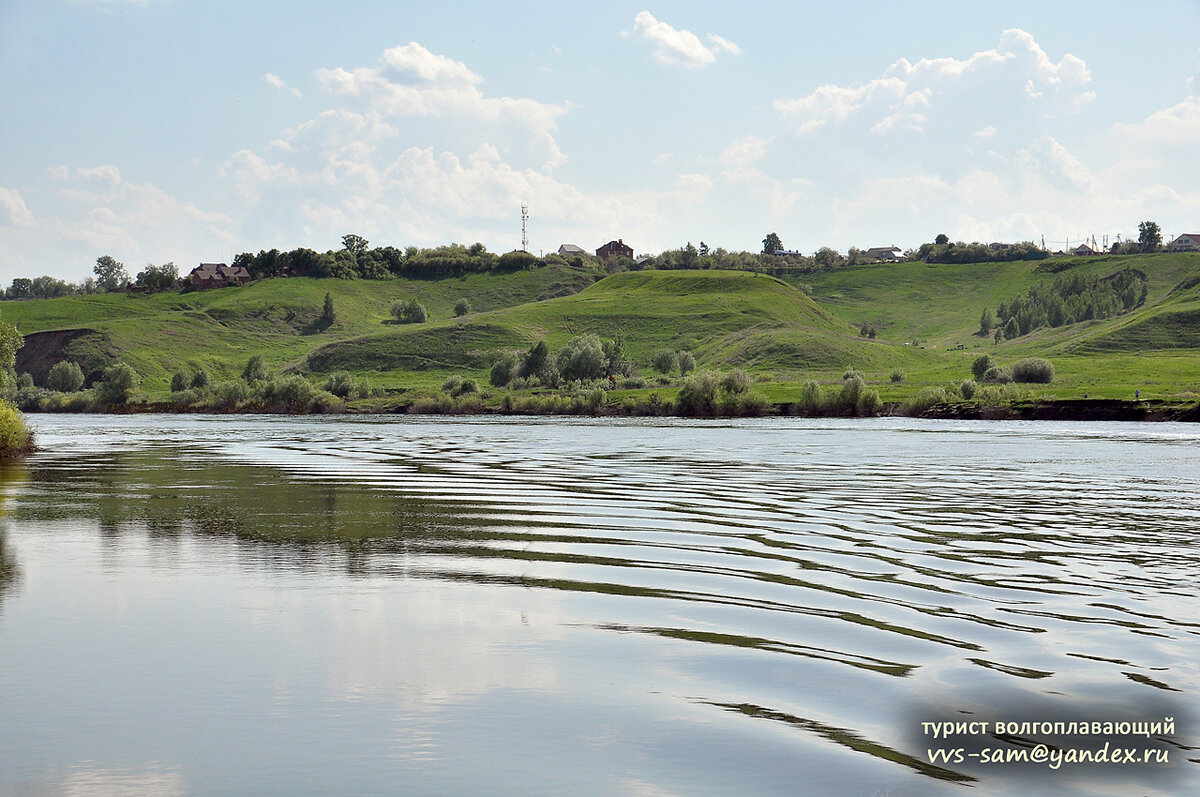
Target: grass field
926, 316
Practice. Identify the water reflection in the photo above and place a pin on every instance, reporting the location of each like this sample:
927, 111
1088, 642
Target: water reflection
446, 583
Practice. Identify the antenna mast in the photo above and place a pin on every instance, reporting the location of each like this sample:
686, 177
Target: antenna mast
524, 227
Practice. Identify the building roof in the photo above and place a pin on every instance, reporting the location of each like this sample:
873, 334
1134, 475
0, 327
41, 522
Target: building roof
571, 249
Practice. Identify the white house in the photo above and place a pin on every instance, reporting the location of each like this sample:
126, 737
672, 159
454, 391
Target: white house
1188, 242
891, 254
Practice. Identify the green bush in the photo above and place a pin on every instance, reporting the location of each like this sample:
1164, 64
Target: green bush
255, 370
409, 311
981, 366
664, 361
465, 387
65, 377
852, 390
687, 363
997, 375
736, 382
968, 388
230, 395
869, 403
927, 398
452, 383
462, 307
179, 382
118, 383
292, 392
15, 437
811, 401
504, 370
25, 382
632, 383
582, 358
340, 384
897, 375
1033, 369
698, 395
200, 379
851, 373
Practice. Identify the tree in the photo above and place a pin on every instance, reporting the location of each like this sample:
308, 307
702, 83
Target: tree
986, 320
354, 244
158, 278
110, 273
65, 377
772, 244
1149, 236
179, 381
664, 361
328, 316
686, 363
462, 307
582, 358
255, 370
200, 379
409, 311
10, 341
537, 360
119, 382
942, 239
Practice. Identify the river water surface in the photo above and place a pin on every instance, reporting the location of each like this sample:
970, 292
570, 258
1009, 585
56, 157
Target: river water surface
274, 605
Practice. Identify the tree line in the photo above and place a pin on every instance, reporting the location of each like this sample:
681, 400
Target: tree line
1068, 299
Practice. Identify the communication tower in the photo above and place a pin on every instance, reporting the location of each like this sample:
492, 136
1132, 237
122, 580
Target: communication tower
524, 227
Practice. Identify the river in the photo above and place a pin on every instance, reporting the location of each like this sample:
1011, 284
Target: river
309, 605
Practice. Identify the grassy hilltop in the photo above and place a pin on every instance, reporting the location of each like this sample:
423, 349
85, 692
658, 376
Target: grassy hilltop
783, 333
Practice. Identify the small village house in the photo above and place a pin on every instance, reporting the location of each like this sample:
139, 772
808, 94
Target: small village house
617, 248
887, 254
1188, 242
217, 275
568, 250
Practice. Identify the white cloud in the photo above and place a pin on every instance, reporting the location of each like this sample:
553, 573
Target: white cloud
412, 81
279, 83
13, 210
910, 96
680, 47
1177, 126
985, 132
744, 151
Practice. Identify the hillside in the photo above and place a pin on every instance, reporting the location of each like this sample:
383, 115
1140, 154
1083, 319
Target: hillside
725, 318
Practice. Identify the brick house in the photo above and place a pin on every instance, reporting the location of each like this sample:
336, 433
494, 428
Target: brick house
217, 275
616, 248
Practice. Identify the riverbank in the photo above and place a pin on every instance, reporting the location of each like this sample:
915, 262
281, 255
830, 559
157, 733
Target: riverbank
1022, 410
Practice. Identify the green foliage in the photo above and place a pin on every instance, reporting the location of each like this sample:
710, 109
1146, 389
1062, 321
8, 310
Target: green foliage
15, 437
118, 383
328, 314
110, 273
340, 384
997, 375
811, 401
928, 397
852, 391
10, 341
1033, 369
1149, 236
968, 388
457, 386
409, 311
462, 307
897, 376
735, 382
851, 373
582, 358
255, 370
981, 365
664, 361
179, 382
869, 403
1072, 298
772, 244
65, 377
289, 392
986, 321
504, 370
698, 394
200, 379
687, 363
537, 361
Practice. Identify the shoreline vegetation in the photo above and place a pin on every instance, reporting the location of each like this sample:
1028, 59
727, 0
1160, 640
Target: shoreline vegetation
1107, 337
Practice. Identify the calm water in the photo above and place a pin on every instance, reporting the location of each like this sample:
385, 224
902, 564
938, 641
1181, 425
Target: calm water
194, 605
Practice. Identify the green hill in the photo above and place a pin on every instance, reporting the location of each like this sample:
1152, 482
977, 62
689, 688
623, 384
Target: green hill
725, 318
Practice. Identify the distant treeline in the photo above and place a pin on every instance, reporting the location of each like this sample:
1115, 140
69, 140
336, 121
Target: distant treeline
1069, 299
356, 261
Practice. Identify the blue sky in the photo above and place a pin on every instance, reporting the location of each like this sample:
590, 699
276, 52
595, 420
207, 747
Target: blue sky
188, 131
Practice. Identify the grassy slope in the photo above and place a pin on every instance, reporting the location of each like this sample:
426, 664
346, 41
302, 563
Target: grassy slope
1153, 349
220, 329
725, 318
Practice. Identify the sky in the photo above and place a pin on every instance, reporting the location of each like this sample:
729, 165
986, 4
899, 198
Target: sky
189, 131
